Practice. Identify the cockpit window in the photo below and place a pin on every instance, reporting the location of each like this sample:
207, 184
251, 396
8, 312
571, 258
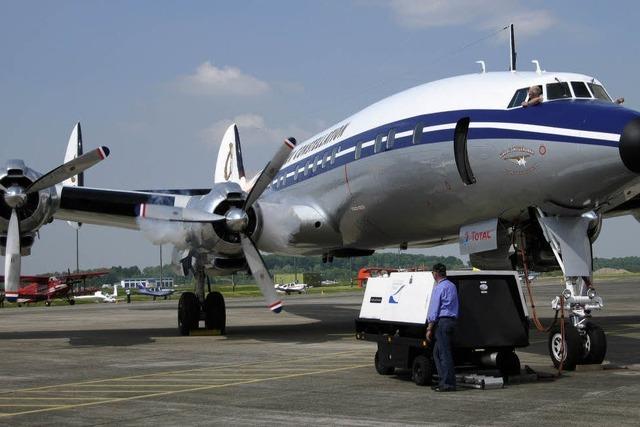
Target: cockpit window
558, 91
519, 97
599, 92
580, 90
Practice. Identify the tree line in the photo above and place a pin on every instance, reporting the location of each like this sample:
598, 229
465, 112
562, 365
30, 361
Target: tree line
341, 269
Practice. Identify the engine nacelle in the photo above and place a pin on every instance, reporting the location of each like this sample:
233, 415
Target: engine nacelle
38, 207
216, 246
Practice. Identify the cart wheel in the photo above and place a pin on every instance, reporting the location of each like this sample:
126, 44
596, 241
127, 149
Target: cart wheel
569, 353
422, 371
380, 367
508, 363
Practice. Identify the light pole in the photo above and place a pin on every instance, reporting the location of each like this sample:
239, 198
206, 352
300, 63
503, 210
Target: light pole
161, 282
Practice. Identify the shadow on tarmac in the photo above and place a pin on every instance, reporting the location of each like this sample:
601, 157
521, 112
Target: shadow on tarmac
333, 322
96, 338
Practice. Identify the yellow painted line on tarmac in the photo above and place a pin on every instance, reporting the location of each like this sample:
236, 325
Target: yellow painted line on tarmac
193, 389
50, 398
19, 405
139, 385
85, 391
205, 369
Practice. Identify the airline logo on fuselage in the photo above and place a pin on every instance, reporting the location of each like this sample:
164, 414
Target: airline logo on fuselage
522, 160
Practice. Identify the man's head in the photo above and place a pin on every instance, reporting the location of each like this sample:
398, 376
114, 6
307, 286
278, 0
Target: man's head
535, 91
439, 271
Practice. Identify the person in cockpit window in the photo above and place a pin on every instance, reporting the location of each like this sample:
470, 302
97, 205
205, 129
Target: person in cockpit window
535, 96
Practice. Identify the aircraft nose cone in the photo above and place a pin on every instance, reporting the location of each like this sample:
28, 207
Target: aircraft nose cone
630, 145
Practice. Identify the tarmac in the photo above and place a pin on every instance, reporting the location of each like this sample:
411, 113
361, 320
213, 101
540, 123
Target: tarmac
125, 364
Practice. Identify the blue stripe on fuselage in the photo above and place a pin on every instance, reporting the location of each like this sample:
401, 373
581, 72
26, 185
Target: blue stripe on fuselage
585, 115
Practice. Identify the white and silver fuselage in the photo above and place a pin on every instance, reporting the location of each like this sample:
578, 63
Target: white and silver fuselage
349, 187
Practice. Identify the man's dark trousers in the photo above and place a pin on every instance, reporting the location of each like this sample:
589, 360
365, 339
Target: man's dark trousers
442, 352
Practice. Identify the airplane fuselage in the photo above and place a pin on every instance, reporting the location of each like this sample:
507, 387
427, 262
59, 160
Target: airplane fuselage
562, 156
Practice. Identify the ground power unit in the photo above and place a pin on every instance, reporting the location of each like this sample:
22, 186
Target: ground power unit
493, 321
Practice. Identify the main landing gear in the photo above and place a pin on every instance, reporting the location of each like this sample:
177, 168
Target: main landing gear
578, 340
194, 307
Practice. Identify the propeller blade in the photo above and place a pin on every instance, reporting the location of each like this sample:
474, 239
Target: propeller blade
69, 169
270, 171
177, 214
261, 274
3, 188
12, 260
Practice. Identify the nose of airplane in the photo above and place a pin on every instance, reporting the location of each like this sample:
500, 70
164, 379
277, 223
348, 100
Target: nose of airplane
630, 145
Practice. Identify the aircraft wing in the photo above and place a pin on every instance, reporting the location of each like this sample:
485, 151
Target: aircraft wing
76, 277
630, 207
113, 208
41, 280
180, 192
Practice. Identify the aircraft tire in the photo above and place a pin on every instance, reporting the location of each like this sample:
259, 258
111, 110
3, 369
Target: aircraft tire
47, 303
573, 347
595, 345
422, 371
72, 302
215, 312
380, 367
508, 363
188, 313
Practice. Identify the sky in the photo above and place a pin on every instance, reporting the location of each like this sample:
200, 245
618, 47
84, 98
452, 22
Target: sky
158, 82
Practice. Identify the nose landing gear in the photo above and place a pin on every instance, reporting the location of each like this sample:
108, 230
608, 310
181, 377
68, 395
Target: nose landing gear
578, 340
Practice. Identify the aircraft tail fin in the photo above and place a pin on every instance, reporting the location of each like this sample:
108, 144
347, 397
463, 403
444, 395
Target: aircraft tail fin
74, 149
229, 166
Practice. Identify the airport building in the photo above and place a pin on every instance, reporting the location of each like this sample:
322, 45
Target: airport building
149, 282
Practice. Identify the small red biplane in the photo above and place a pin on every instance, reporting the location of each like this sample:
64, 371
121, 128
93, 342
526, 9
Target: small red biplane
47, 288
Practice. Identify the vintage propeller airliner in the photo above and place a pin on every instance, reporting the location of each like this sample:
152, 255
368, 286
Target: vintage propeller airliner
459, 159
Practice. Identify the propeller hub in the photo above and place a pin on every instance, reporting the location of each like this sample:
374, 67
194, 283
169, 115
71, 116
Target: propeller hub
15, 197
237, 219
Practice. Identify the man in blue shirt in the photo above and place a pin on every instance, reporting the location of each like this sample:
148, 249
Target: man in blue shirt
442, 316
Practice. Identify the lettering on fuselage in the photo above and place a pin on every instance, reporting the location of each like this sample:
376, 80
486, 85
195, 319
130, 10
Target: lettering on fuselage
320, 142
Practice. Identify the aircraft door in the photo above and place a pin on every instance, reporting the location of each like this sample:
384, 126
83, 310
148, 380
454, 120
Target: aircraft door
461, 153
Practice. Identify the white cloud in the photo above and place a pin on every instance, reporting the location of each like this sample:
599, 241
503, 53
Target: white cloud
483, 14
211, 80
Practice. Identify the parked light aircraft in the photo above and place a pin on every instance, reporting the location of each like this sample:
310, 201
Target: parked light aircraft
458, 159
154, 292
99, 296
289, 288
47, 288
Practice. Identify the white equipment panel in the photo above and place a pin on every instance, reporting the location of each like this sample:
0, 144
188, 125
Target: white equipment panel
400, 297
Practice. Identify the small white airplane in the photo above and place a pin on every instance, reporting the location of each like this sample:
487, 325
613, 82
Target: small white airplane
290, 288
99, 296
466, 159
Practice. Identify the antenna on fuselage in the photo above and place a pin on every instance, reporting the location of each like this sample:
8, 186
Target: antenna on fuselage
538, 69
512, 52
